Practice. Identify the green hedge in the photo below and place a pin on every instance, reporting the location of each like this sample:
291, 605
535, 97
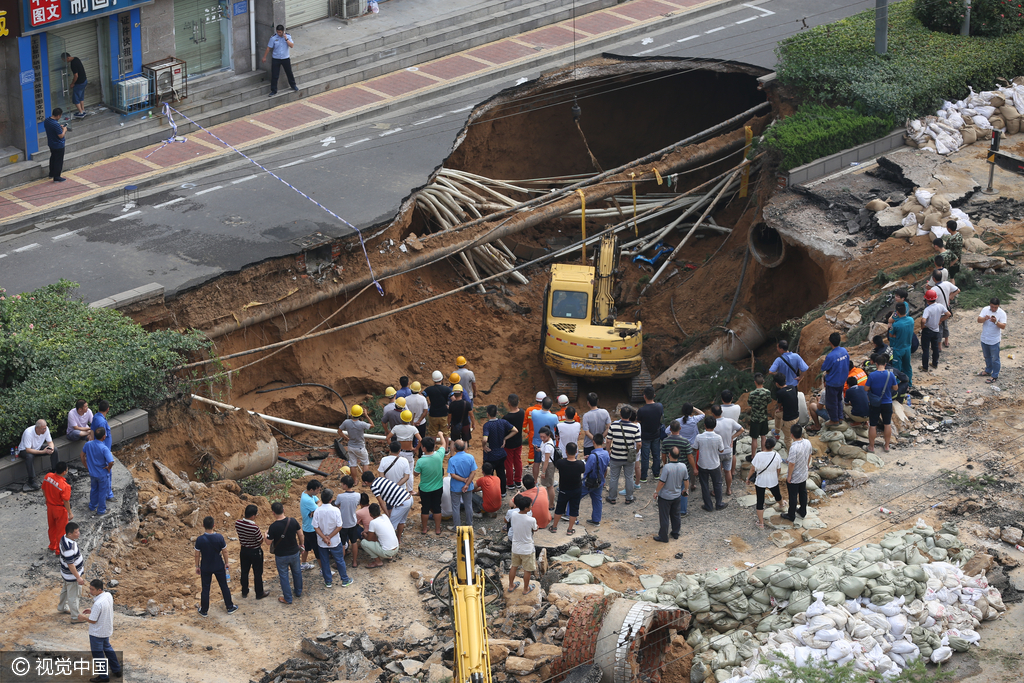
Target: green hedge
988, 17
55, 349
837, 64
817, 131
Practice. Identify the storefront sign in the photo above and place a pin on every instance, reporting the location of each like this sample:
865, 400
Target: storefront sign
42, 15
240, 8
10, 24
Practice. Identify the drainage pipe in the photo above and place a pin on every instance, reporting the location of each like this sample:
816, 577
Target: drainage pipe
280, 420
304, 467
514, 224
744, 334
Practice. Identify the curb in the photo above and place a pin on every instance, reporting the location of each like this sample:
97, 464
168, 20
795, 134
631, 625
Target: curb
588, 49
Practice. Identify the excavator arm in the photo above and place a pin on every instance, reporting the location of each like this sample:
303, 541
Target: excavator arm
604, 300
472, 656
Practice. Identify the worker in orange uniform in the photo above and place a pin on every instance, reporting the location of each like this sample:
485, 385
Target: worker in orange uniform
563, 403
58, 504
528, 425
859, 374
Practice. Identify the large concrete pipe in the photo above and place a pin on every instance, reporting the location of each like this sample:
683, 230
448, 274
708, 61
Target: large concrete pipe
767, 245
743, 336
242, 464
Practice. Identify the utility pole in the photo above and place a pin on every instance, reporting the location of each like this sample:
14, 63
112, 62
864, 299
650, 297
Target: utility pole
881, 26
965, 28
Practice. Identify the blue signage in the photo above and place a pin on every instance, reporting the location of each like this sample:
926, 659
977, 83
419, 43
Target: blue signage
28, 77
43, 15
240, 8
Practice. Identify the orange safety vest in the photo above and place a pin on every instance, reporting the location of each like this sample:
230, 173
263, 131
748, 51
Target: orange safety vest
862, 378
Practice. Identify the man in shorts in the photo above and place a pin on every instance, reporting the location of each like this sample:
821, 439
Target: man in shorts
347, 503
881, 384
522, 525
430, 467
352, 430
758, 401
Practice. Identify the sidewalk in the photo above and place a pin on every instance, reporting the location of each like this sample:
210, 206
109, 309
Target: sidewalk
105, 179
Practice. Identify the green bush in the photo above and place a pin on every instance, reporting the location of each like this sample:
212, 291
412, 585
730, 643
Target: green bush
988, 17
817, 131
55, 349
702, 386
836, 64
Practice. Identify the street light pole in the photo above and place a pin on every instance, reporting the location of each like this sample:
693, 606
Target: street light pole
881, 26
965, 28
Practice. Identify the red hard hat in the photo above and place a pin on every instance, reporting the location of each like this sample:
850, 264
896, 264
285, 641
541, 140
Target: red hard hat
930, 295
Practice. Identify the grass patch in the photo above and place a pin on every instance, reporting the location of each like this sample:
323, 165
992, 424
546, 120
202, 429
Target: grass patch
702, 385
273, 484
976, 290
859, 332
964, 481
883, 278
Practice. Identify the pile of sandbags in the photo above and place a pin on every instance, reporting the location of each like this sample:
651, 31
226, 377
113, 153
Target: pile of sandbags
927, 212
880, 606
969, 120
840, 438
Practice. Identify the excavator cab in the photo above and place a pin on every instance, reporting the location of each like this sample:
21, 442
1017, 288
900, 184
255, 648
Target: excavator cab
467, 584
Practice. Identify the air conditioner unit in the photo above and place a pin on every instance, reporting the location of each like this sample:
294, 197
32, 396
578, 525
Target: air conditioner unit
169, 78
131, 94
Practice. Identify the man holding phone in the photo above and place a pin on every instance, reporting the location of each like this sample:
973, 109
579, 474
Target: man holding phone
993, 322
55, 131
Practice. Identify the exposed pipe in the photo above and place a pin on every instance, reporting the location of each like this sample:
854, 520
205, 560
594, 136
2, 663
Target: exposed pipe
281, 420
301, 466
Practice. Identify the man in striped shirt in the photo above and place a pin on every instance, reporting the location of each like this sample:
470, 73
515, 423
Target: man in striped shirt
251, 538
625, 436
394, 500
71, 564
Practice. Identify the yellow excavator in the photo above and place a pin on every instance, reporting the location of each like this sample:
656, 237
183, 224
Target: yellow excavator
467, 583
581, 336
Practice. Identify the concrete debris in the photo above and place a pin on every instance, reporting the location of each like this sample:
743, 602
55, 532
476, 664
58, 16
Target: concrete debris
416, 633
983, 262
315, 650
520, 666
172, 480
438, 674
1011, 535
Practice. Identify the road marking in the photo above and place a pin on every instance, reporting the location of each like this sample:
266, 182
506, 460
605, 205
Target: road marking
173, 201
743, 21
764, 12
720, 28
212, 189
26, 247
242, 180
352, 144
390, 132
323, 154
3, 255
432, 118
65, 234
127, 215
683, 40
637, 54
300, 161
326, 142
459, 111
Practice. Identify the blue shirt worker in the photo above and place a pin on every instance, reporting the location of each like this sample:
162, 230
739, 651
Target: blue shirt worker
593, 478
55, 132
901, 336
461, 467
836, 367
790, 364
857, 397
100, 461
279, 46
880, 386
100, 420
540, 419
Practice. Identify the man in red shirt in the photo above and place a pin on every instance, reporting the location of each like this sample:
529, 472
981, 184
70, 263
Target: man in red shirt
58, 504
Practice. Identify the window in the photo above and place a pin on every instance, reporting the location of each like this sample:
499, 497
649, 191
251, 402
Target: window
569, 304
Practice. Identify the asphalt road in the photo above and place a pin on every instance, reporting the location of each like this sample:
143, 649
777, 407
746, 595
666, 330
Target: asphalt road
199, 227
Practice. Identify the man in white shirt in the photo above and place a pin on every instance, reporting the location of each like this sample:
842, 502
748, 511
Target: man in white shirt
799, 460
380, 540
395, 467
730, 430
931, 332
327, 523
406, 434
36, 441
79, 419
946, 292
709, 447
993, 322
101, 628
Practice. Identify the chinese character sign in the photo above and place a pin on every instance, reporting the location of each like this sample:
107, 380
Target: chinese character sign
79, 6
43, 15
3, 24
44, 11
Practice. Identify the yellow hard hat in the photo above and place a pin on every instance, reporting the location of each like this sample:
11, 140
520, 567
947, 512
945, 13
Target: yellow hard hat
357, 411
346, 470
454, 378
415, 386
460, 361
389, 392
457, 389
400, 401
406, 416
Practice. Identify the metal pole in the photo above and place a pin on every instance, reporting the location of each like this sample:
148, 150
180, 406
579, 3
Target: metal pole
881, 26
965, 28
996, 136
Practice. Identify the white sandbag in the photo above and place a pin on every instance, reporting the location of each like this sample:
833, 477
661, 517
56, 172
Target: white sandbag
924, 194
941, 654
840, 649
898, 624
818, 606
903, 647
828, 634
955, 120
985, 110
981, 122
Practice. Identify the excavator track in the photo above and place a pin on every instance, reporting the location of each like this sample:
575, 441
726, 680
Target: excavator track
639, 383
566, 384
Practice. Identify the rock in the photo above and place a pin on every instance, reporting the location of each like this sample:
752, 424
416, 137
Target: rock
498, 653
573, 594
229, 485
542, 653
592, 559
446, 557
415, 574
365, 644
982, 262
830, 472
651, 580
416, 632
172, 480
315, 650
353, 666
438, 674
979, 564
1016, 577
542, 562
113, 583
520, 666
152, 608
993, 533
1011, 535
326, 635
533, 599
549, 617
411, 666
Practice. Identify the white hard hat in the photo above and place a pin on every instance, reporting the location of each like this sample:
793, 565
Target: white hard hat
437, 376
563, 400
541, 396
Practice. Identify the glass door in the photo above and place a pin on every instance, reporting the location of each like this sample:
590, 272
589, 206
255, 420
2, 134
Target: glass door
197, 38
60, 74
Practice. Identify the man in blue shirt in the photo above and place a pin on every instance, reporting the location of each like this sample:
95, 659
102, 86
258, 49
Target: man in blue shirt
100, 461
99, 420
540, 419
597, 465
404, 391
461, 467
901, 335
280, 46
880, 386
836, 367
791, 365
857, 397
55, 131
307, 506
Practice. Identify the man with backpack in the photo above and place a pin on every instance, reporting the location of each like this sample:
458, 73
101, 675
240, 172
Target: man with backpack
880, 386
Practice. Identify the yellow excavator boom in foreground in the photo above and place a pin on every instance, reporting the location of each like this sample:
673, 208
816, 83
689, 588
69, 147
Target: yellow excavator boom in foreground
472, 656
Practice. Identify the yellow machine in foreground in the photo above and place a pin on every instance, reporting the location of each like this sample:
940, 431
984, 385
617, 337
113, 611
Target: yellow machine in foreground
472, 656
581, 337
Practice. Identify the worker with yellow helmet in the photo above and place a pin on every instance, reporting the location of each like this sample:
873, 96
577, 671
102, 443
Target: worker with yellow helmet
391, 395
437, 397
393, 418
460, 415
416, 402
408, 439
351, 431
467, 378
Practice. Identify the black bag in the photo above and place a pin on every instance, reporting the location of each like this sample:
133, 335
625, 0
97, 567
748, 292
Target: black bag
592, 482
915, 343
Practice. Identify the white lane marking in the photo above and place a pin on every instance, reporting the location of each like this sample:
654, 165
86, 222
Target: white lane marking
65, 234
323, 154
743, 21
127, 215
720, 28
352, 144
683, 40
390, 132
212, 189
294, 163
173, 201
26, 247
3, 255
432, 118
764, 12
326, 142
242, 180
459, 111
